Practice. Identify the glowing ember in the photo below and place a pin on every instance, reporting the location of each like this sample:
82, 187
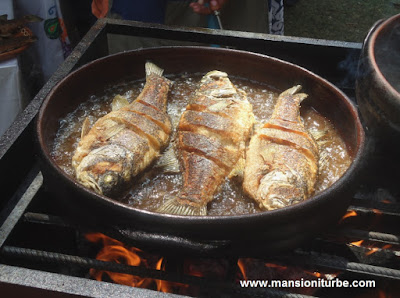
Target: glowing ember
387, 246
316, 274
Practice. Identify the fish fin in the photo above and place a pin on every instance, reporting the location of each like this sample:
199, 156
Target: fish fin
168, 161
151, 68
177, 207
293, 92
300, 97
85, 127
318, 133
238, 170
119, 102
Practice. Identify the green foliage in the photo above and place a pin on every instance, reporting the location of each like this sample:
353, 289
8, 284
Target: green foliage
345, 20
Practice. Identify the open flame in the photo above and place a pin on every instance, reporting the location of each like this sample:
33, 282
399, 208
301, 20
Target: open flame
350, 213
115, 251
371, 248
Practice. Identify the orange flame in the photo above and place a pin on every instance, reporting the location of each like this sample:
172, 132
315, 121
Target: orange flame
114, 251
376, 211
357, 243
372, 251
271, 265
350, 213
316, 274
162, 285
241, 266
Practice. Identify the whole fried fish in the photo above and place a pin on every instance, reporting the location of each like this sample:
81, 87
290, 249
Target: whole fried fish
125, 141
212, 135
282, 157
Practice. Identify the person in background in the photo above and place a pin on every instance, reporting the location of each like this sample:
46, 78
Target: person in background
235, 15
246, 16
207, 7
152, 11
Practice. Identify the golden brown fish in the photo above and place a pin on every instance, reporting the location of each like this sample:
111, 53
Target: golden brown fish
125, 141
211, 141
282, 157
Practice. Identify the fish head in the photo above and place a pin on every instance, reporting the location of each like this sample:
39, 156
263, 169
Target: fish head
106, 170
278, 189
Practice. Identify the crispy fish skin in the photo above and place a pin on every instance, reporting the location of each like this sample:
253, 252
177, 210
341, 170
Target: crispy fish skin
282, 157
124, 142
212, 136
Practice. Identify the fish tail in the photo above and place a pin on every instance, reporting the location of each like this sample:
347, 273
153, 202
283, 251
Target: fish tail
178, 206
151, 68
299, 97
291, 91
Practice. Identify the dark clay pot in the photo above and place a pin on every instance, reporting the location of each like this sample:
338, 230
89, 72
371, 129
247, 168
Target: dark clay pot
378, 82
266, 232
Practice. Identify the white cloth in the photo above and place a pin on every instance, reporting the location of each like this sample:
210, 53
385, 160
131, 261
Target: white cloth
49, 51
11, 99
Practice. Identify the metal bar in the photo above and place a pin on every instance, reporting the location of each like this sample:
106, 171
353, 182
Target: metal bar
47, 219
48, 284
220, 287
207, 35
370, 206
19, 208
335, 60
341, 264
366, 235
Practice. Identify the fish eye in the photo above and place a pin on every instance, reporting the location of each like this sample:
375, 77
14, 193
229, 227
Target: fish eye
109, 182
109, 178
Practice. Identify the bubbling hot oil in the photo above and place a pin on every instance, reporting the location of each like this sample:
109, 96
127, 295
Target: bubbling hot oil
153, 187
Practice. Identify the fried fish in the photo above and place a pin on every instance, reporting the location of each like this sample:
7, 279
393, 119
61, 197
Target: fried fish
282, 157
124, 142
212, 136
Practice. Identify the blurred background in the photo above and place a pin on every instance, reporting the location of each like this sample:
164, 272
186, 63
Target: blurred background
65, 22
345, 20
